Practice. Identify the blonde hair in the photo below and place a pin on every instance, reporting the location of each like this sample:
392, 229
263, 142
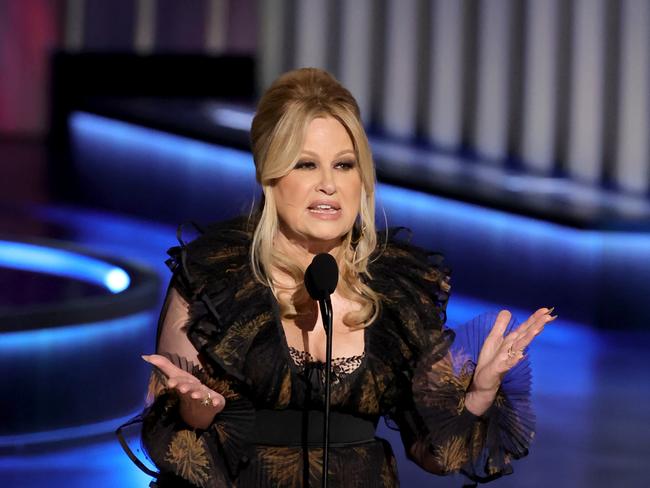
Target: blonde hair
277, 135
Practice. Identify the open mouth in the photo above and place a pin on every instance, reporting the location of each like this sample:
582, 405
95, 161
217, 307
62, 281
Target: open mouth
324, 208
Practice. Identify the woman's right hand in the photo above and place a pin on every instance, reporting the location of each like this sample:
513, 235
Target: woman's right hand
198, 403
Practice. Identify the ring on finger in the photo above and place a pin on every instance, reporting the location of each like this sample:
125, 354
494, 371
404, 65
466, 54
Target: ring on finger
512, 354
207, 401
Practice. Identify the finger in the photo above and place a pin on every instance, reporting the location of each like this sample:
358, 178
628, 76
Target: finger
208, 398
182, 378
163, 364
189, 387
500, 325
201, 393
523, 341
512, 361
219, 402
534, 320
170, 370
531, 321
186, 388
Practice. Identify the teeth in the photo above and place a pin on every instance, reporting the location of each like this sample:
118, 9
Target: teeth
323, 208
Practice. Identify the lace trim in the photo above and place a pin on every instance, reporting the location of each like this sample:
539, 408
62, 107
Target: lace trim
341, 366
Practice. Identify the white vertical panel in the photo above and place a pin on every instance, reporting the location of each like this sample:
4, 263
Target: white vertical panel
74, 24
538, 147
145, 26
355, 52
446, 109
491, 130
273, 27
399, 109
216, 28
311, 33
632, 170
587, 83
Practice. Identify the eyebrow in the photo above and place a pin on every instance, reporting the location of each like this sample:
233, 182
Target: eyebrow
337, 155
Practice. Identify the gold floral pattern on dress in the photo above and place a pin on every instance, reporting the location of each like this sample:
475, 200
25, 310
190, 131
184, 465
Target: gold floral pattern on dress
189, 458
221, 386
407, 374
441, 386
369, 401
157, 384
451, 454
246, 290
389, 472
285, 391
225, 253
284, 467
238, 333
500, 399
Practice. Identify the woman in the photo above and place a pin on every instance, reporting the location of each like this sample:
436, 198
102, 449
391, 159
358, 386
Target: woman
237, 394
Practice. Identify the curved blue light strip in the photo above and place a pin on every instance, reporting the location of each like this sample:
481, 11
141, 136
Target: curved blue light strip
65, 434
49, 346
233, 117
100, 464
412, 208
167, 149
73, 336
41, 259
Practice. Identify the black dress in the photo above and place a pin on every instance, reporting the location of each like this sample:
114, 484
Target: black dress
409, 373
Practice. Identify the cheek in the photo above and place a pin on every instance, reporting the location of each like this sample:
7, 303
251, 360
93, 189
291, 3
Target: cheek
289, 193
353, 191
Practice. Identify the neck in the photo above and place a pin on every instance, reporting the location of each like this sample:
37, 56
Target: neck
303, 251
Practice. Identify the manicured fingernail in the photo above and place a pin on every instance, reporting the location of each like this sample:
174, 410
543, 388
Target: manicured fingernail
553, 317
550, 310
146, 358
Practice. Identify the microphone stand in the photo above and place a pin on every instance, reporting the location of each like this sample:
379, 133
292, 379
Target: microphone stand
321, 277
326, 315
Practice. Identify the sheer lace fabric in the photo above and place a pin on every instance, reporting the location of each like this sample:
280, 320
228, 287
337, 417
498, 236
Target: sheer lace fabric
341, 366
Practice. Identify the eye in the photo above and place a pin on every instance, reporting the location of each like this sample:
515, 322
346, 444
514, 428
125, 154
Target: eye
305, 165
346, 165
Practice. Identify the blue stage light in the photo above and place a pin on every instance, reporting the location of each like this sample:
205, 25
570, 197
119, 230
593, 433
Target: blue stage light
65, 434
60, 262
568, 263
168, 151
232, 117
66, 338
117, 280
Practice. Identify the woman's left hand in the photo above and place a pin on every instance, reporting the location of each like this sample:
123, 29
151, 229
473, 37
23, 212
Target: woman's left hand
499, 354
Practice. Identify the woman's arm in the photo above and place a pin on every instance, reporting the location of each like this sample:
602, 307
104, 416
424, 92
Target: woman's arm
180, 433
471, 410
198, 403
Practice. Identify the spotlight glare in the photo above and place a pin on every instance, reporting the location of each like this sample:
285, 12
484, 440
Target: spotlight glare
61, 262
117, 280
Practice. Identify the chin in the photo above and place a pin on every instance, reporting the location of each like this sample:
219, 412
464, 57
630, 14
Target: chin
328, 231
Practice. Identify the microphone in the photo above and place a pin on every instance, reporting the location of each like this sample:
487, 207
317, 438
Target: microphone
321, 276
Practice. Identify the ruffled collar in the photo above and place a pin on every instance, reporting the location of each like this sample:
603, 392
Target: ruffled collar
230, 308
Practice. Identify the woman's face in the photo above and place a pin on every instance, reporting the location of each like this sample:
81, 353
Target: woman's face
318, 200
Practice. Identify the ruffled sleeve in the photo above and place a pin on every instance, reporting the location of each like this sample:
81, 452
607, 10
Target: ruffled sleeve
453, 439
204, 274
227, 311
435, 366
193, 457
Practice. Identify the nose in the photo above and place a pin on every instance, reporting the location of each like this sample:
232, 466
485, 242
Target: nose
326, 184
